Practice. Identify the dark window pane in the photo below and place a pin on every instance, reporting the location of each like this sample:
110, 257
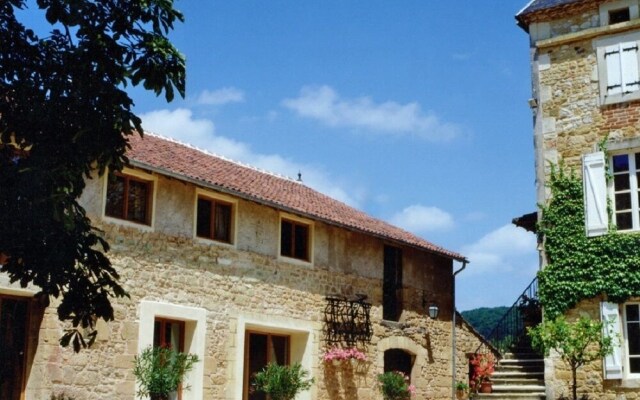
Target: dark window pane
632, 312
258, 358
623, 220
623, 201
633, 330
157, 334
279, 354
203, 228
301, 242
115, 196
620, 15
620, 163
621, 182
137, 210
634, 365
223, 222
286, 237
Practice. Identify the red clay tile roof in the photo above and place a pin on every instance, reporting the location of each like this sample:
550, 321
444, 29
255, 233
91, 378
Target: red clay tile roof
169, 157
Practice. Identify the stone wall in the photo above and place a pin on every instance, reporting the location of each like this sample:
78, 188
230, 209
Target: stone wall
571, 122
248, 286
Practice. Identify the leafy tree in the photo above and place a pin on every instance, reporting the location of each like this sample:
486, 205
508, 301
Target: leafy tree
577, 343
484, 319
63, 113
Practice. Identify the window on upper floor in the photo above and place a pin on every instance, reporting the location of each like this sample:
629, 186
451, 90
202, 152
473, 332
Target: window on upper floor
615, 12
619, 68
392, 284
625, 169
295, 239
129, 197
214, 218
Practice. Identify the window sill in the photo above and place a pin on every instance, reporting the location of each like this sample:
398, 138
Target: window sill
127, 223
630, 383
296, 261
212, 242
620, 98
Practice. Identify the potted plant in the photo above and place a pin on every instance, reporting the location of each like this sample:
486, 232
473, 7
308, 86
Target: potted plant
395, 385
336, 355
483, 367
282, 382
461, 390
160, 371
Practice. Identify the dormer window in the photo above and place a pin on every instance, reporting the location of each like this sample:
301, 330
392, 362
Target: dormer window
615, 12
619, 15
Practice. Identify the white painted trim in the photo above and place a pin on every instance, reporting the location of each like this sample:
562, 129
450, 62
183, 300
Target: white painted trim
600, 45
234, 216
154, 190
626, 371
304, 346
194, 337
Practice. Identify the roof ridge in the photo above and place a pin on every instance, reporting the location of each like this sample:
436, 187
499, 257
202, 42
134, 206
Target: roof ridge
224, 158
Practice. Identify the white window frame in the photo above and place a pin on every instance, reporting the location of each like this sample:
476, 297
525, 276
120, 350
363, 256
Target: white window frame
605, 8
601, 47
633, 189
626, 372
195, 319
303, 346
154, 189
225, 199
310, 249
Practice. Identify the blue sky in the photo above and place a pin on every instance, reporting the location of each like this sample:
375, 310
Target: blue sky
413, 111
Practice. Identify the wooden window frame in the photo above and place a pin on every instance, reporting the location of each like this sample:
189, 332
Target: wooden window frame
163, 342
214, 200
128, 177
633, 190
392, 283
26, 348
245, 369
627, 356
309, 239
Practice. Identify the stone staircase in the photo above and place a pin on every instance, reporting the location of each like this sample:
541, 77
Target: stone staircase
518, 376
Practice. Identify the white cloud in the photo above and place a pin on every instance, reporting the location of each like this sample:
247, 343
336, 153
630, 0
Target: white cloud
220, 96
181, 125
419, 219
323, 103
506, 249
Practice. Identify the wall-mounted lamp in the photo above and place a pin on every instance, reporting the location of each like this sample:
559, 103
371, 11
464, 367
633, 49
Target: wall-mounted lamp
434, 310
533, 103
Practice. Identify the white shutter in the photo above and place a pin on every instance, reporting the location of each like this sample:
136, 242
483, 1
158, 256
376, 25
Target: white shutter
595, 194
614, 70
629, 66
610, 316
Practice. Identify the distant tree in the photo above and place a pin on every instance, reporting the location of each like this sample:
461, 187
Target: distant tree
64, 112
485, 319
577, 343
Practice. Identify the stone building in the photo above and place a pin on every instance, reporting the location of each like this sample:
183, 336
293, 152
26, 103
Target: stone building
586, 106
243, 267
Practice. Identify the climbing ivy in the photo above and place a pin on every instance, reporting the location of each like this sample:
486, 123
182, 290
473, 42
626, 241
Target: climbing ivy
579, 267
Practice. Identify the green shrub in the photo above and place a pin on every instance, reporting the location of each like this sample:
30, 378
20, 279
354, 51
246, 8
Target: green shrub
161, 370
395, 385
282, 382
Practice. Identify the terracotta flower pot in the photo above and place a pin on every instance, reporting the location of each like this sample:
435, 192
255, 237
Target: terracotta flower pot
486, 387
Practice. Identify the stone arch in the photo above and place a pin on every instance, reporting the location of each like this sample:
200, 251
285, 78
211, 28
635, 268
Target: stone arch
405, 344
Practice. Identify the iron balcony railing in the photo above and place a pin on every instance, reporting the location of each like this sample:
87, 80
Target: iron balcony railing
510, 332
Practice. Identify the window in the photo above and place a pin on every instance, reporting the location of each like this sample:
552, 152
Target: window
180, 327
619, 68
260, 350
632, 337
129, 198
295, 239
14, 313
614, 12
619, 15
392, 284
214, 219
626, 170
398, 360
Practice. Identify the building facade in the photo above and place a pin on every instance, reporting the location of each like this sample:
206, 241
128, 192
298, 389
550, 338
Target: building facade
243, 267
586, 106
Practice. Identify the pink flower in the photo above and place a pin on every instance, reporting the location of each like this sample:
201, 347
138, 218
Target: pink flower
339, 354
412, 389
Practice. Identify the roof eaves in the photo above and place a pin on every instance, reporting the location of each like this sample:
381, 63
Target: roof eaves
278, 206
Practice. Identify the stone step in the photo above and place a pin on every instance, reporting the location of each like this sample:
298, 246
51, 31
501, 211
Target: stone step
535, 388
510, 396
515, 380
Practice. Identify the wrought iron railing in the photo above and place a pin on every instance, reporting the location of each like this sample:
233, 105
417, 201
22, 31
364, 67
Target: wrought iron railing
511, 330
